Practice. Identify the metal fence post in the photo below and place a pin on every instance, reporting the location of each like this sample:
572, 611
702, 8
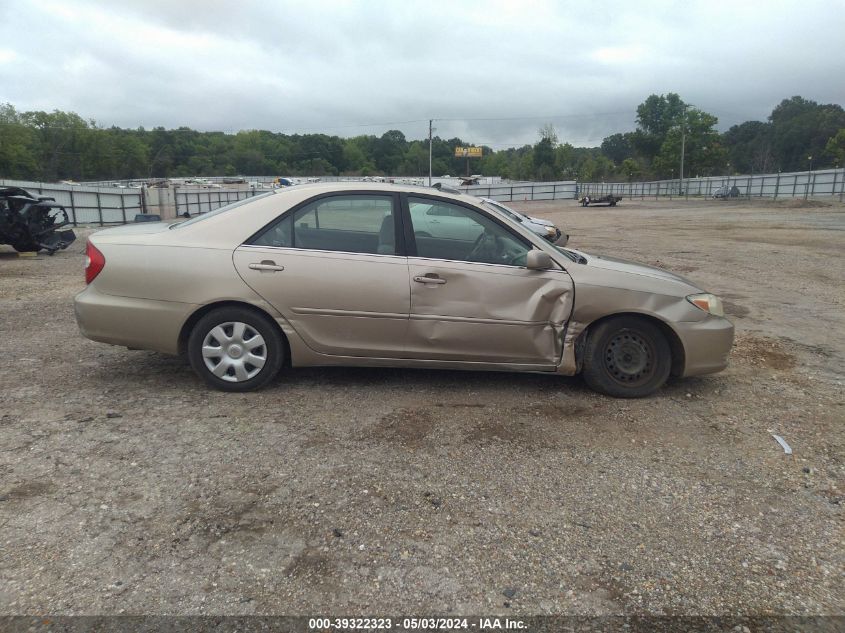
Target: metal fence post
777, 185
123, 207
73, 207
99, 209
842, 186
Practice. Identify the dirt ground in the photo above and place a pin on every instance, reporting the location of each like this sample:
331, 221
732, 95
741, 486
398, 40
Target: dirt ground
126, 486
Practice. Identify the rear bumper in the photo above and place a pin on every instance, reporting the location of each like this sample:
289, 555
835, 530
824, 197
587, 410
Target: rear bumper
137, 323
707, 344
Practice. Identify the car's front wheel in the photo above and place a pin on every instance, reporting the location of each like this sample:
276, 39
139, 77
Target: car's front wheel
236, 349
626, 357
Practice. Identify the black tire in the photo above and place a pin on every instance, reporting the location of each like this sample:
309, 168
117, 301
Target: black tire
626, 357
273, 349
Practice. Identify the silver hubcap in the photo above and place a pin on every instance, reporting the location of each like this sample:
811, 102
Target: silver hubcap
234, 351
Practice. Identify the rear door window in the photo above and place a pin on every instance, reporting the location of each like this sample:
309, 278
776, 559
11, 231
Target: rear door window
348, 223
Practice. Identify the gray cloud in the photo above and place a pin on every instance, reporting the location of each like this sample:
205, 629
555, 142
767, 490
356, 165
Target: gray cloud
493, 72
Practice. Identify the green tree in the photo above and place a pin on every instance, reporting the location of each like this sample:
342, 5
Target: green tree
389, 151
548, 132
749, 147
659, 114
415, 162
617, 147
17, 142
544, 159
802, 128
704, 154
835, 148
630, 169
656, 117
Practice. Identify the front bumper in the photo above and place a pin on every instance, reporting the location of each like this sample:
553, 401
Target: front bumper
707, 344
135, 323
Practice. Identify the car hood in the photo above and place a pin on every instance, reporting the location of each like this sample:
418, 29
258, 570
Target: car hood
606, 262
539, 221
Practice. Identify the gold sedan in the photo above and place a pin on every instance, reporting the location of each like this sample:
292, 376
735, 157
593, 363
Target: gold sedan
341, 274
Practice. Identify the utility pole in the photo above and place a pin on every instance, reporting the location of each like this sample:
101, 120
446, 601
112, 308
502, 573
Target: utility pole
683, 142
430, 122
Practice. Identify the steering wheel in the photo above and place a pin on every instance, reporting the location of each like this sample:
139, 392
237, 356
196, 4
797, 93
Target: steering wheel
478, 246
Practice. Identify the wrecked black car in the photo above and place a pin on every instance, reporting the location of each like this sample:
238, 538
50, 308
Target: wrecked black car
726, 192
33, 223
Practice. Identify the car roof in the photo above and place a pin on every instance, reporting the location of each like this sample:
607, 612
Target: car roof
248, 215
390, 187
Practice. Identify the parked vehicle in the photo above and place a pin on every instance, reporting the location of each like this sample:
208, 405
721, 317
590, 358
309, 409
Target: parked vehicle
541, 227
340, 274
147, 217
32, 223
610, 201
726, 192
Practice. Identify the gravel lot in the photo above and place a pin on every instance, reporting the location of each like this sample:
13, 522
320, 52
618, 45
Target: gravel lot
128, 487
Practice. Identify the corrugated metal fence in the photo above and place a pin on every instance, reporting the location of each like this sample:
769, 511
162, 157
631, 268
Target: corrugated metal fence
802, 184
563, 190
88, 204
194, 201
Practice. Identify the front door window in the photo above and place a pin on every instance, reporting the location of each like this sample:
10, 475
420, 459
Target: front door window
449, 231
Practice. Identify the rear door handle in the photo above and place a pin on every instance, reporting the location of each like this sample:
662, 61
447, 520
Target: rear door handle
424, 279
266, 265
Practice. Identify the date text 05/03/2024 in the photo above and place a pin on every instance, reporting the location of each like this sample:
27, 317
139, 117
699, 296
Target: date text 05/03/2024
416, 624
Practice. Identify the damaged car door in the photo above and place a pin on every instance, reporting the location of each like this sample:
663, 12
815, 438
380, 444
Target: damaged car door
476, 300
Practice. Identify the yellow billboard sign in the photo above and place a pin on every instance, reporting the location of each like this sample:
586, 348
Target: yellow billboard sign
467, 152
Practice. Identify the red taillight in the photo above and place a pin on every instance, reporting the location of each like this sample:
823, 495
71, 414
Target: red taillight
94, 262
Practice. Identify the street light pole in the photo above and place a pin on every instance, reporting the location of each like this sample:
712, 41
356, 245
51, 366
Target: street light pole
430, 122
683, 143
809, 173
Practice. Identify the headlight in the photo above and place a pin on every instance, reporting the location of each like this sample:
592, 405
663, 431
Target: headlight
707, 302
550, 230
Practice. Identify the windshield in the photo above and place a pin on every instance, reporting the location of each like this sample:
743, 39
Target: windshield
223, 209
500, 208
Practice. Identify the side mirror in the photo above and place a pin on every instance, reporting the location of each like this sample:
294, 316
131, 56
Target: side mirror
538, 260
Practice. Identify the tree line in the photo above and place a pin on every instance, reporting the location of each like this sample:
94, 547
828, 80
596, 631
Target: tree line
799, 134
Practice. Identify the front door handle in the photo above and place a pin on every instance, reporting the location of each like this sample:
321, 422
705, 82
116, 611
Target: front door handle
266, 265
425, 279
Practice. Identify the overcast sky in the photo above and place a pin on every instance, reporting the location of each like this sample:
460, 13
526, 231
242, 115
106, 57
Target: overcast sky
493, 72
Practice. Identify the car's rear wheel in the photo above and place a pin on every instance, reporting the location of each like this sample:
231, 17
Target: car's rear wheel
626, 357
236, 349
